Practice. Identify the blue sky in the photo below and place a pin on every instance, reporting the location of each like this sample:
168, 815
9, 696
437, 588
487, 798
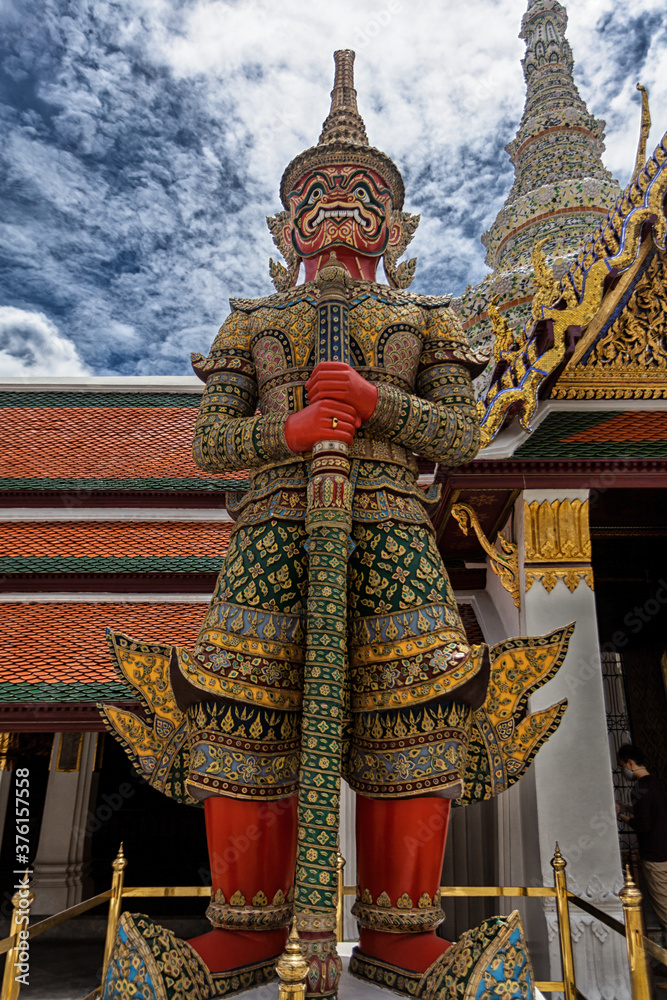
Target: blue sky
143, 144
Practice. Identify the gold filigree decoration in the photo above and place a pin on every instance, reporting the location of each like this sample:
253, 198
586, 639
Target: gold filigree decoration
557, 532
282, 278
547, 289
504, 563
644, 131
557, 544
509, 343
403, 275
639, 336
571, 576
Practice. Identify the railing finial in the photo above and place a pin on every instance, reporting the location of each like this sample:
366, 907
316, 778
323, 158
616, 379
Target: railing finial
120, 861
631, 898
292, 969
558, 862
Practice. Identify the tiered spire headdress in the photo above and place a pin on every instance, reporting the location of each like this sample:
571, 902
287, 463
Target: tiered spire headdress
343, 140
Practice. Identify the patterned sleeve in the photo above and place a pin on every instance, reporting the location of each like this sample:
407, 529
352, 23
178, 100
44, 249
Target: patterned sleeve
440, 421
229, 434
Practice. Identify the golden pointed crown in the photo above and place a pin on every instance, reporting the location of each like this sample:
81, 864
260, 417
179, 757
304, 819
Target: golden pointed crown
343, 138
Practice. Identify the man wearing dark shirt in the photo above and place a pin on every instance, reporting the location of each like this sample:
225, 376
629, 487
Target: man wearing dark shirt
647, 815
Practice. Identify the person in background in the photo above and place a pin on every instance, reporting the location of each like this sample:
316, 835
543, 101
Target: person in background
647, 816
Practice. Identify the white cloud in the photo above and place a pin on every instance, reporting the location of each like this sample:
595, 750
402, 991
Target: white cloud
30, 344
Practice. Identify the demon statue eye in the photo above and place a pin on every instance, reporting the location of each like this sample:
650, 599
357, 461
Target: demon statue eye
315, 195
362, 194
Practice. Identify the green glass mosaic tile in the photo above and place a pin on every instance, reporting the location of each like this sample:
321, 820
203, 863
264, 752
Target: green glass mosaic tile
111, 400
50, 693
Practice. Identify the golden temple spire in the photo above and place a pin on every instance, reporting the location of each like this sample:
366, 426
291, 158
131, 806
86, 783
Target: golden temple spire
644, 130
344, 123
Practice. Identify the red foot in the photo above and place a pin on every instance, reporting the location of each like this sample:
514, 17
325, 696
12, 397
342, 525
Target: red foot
224, 950
413, 952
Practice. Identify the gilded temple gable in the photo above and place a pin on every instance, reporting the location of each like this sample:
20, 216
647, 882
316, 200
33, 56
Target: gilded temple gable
623, 354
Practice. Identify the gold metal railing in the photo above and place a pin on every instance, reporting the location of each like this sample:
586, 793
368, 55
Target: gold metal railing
638, 945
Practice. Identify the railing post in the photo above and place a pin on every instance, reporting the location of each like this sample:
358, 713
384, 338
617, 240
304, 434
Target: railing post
559, 864
22, 900
631, 898
115, 904
292, 969
340, 911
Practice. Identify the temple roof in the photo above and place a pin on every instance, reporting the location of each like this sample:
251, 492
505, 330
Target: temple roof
629, 434
105, 546
57, 651
95, 440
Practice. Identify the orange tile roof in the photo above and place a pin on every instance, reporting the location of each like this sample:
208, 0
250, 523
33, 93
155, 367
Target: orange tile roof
113, 539
64, 642
122, 442
106, 443
631, 426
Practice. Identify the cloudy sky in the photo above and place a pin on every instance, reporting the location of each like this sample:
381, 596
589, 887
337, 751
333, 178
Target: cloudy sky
143, 143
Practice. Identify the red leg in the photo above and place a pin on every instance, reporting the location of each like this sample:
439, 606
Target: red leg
252, 852
400, 852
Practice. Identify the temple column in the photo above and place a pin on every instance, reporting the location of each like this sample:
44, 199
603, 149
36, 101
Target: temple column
8, 749
574, 796
61, 868
518, 856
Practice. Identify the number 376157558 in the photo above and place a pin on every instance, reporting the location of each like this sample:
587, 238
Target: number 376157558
22, 796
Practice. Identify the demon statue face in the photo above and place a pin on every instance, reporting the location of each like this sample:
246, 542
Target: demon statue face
347, 209
342, 196
340, 207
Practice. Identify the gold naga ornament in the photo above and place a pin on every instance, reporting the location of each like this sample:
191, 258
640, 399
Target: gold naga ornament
504, 561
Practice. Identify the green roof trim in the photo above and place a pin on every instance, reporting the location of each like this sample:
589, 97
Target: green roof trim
142, 485
144, 399
59, 692
102, 564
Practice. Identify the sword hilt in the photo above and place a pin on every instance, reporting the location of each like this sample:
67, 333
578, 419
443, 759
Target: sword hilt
333, 320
